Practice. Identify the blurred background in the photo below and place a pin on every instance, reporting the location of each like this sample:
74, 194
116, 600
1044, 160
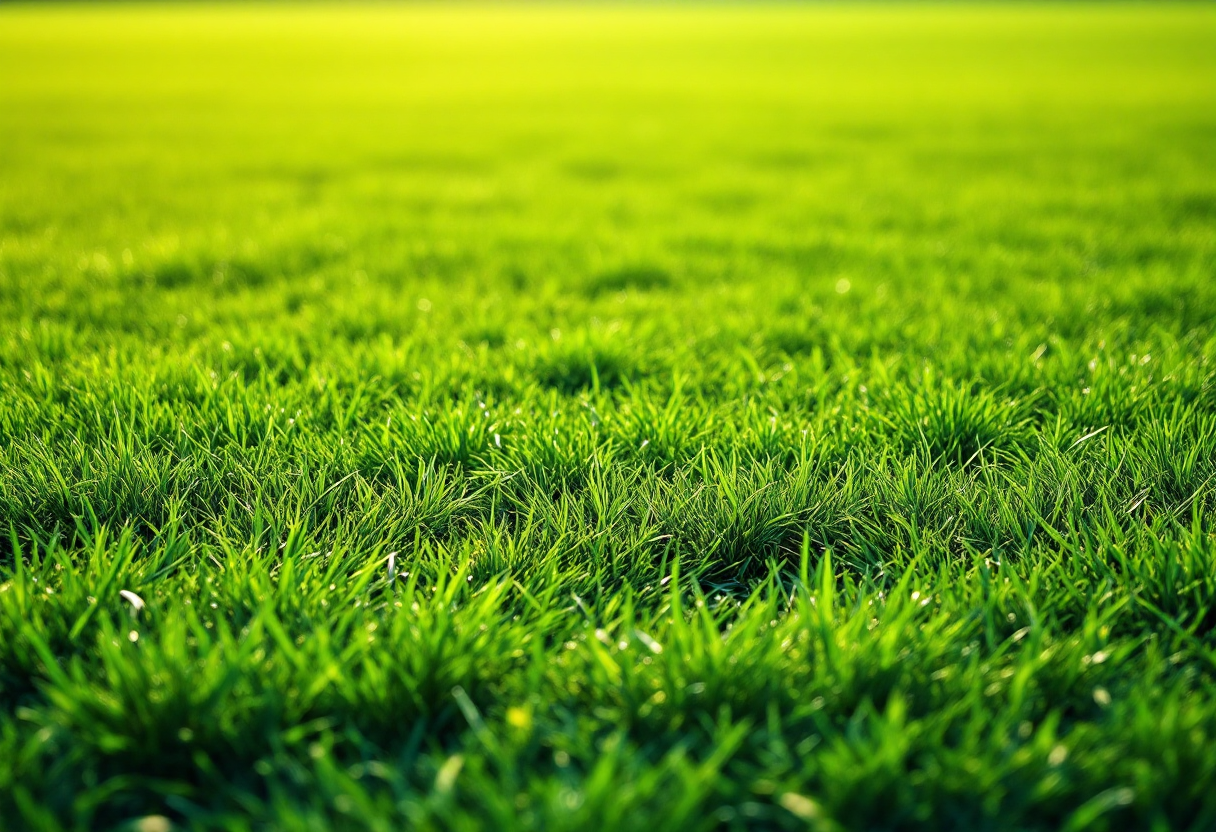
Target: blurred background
148, 151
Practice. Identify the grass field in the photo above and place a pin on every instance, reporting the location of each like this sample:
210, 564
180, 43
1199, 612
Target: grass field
608, 417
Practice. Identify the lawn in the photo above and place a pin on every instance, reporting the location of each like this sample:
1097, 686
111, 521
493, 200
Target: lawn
623, 417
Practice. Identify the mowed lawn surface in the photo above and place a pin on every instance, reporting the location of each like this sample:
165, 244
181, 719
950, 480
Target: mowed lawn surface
608, 417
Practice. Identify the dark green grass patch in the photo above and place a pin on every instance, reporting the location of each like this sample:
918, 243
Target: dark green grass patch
594, 417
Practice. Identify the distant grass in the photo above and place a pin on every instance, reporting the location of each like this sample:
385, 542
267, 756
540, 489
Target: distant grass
608, 417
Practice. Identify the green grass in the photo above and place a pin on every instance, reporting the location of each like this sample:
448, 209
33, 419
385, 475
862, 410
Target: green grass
620, 417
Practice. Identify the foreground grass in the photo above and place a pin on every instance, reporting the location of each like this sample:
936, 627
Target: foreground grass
613, 418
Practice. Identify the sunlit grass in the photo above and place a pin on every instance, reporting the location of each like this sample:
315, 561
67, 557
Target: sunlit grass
612, 417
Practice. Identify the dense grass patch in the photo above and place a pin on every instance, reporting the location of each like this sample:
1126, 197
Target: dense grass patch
608, 417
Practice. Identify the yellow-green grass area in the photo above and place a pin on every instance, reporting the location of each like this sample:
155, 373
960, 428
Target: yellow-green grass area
624, 417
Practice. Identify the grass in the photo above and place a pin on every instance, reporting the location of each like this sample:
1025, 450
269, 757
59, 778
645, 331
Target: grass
623, 417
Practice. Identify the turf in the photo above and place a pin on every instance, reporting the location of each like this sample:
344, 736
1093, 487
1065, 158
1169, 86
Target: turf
621, 417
